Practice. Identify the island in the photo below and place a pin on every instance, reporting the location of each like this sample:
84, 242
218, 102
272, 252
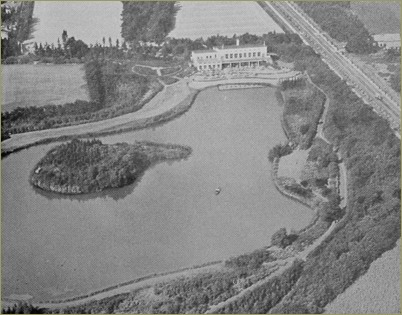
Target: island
88, 166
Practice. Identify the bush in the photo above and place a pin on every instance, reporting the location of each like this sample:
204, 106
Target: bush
304, 129
281, 239
250, 261
11, 60
278, 151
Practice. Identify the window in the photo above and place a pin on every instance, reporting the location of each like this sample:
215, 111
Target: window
235, 55
240, 55
231, 56
253, 54
227, 56
249, 55
259, 54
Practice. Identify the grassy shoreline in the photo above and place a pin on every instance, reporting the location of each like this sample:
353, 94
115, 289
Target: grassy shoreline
177, 111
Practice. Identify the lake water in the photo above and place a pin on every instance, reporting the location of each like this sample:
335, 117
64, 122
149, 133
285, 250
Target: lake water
55, 246
39, 85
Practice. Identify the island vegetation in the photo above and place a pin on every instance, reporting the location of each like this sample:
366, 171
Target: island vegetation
81, 166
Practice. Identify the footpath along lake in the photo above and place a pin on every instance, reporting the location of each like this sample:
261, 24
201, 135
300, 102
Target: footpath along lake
55, 247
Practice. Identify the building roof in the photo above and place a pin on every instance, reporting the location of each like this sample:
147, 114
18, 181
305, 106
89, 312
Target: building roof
203, 51
216, 49
241, 46
387, 37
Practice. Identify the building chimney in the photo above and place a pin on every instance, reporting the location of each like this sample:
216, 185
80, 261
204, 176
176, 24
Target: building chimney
237, 42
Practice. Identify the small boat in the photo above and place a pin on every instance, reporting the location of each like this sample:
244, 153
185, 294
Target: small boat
218, 191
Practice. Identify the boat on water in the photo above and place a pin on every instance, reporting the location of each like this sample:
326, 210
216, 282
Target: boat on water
218, 191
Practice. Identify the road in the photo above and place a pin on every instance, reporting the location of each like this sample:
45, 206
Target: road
364, 86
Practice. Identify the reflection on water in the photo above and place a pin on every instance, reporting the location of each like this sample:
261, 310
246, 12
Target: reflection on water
59, 246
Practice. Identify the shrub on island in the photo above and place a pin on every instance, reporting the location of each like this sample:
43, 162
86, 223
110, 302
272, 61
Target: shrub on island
85, 166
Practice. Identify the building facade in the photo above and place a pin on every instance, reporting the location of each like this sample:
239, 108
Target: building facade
230, 56
388, 41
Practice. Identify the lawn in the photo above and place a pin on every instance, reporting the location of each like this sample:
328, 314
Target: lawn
205, 18
379, 17
39, 85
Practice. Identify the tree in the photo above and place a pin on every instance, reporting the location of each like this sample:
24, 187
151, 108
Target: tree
95, 81
76, 49
279, 238
147, 21
64, 38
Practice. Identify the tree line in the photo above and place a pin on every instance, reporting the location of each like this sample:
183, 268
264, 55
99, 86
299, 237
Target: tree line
147, 21
19, 23
337, 19
113, 90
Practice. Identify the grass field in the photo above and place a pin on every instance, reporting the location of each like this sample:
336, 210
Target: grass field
379, 17
39, 85
206, 18
376, 292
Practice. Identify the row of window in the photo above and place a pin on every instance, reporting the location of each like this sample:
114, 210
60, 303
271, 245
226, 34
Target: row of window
244, 55
209, 67
206, 57
235, 56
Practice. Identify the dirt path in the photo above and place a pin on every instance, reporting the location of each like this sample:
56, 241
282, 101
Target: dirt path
126, 288
284, 264
164, 101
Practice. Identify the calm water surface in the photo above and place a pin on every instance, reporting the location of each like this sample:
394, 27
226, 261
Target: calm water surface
56, 246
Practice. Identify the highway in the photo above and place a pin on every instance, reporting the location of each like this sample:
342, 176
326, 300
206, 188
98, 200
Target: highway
364, 87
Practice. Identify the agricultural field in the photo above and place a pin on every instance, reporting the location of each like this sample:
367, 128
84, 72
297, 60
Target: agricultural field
206, 18
39, 85
378, 291
378, 17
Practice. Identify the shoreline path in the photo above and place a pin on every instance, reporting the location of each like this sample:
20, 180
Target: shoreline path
166, 100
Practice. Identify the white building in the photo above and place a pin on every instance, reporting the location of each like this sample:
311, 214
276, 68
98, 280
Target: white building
388, 41
230, 56
4, 33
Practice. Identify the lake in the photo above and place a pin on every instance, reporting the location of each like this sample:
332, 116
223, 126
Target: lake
56, 247
39, 85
